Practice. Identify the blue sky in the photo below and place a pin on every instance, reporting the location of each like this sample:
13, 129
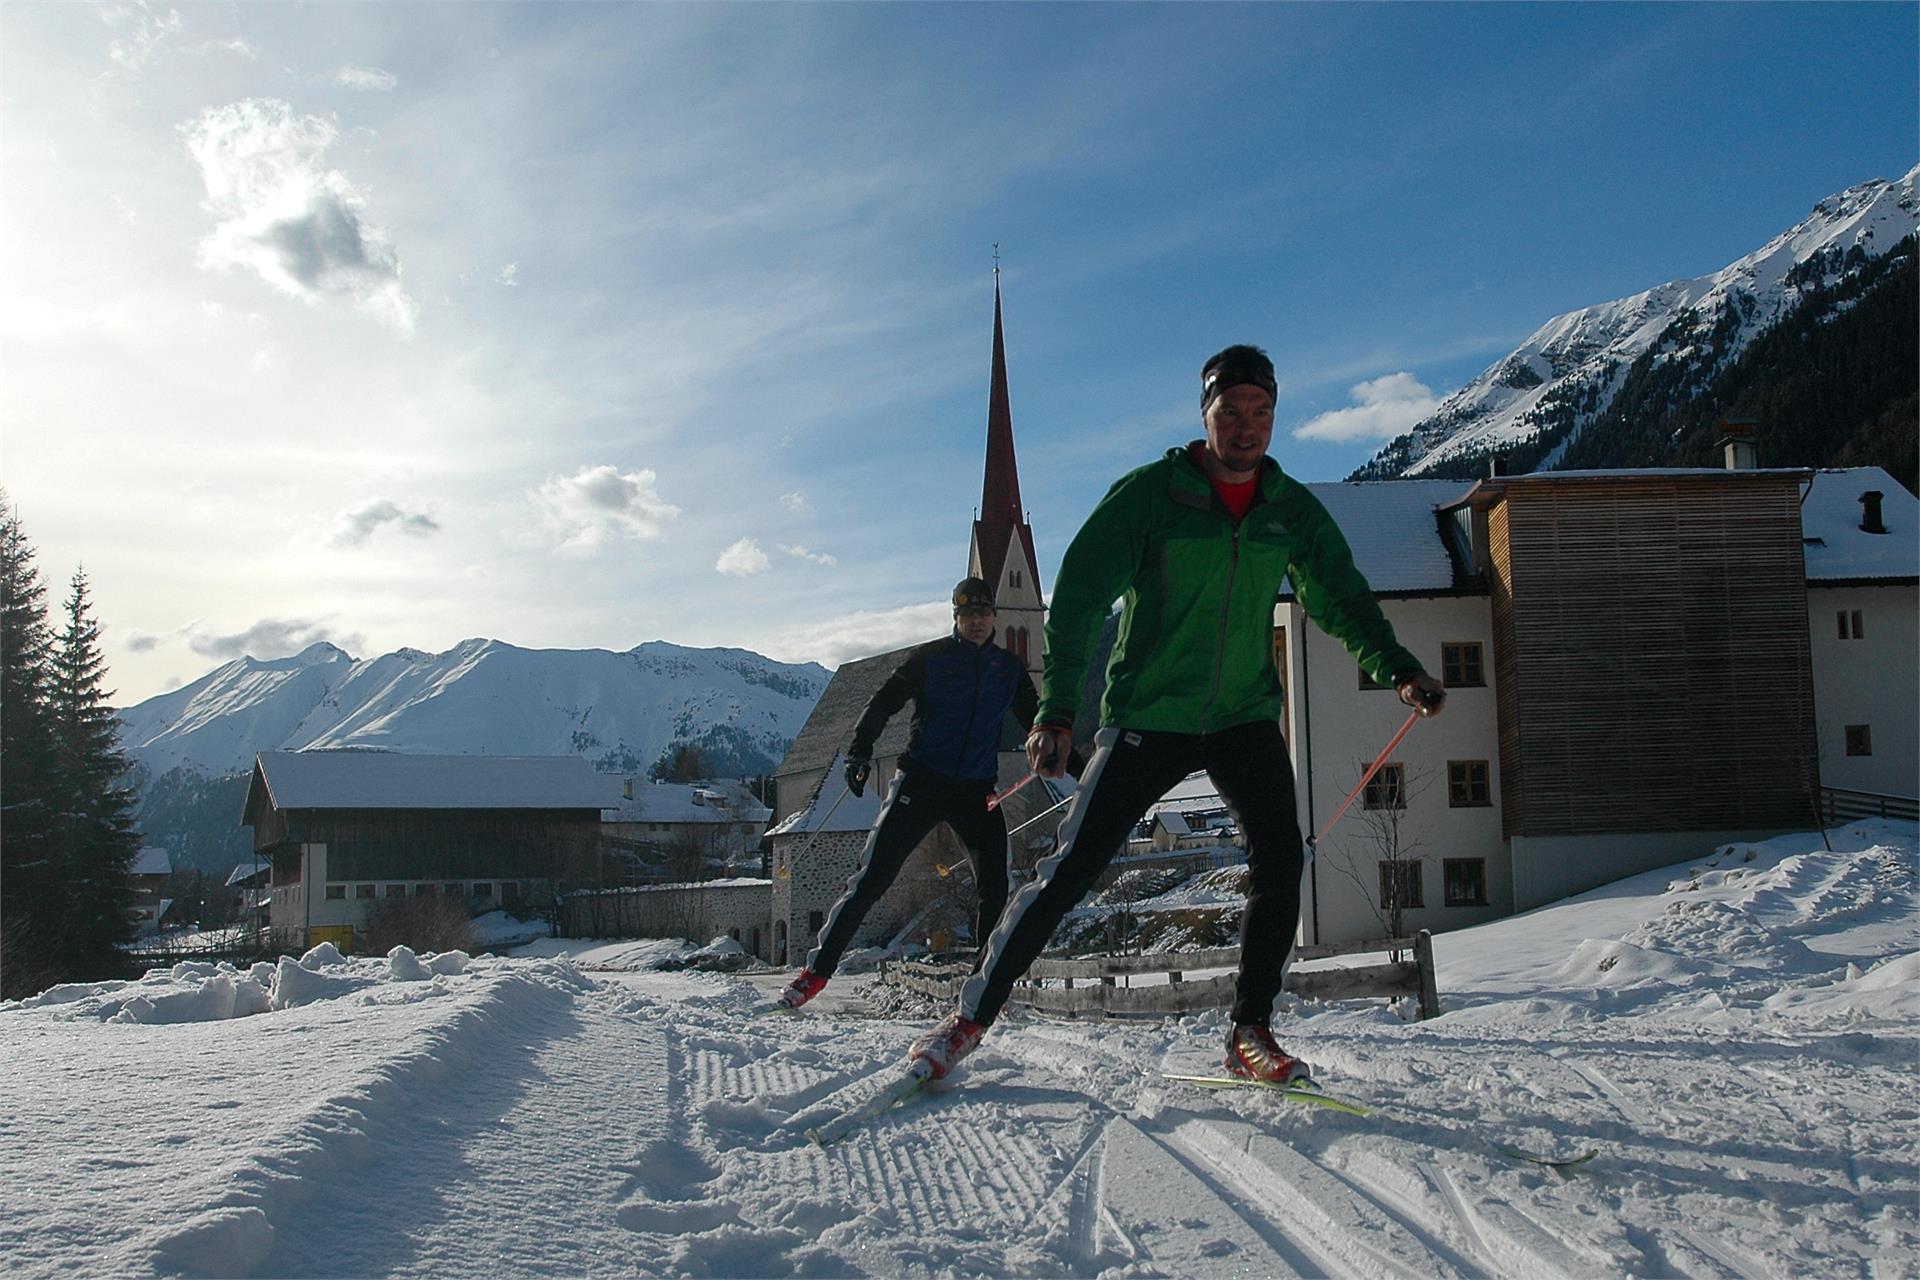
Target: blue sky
584, 325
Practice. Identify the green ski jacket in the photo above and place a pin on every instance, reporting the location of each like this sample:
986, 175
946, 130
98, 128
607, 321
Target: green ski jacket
1195, 650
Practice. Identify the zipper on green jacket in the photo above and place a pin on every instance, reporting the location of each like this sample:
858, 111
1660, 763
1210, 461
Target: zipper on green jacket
1220, 645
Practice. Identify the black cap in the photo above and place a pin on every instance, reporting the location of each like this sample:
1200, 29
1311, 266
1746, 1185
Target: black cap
972, 593
1238, 366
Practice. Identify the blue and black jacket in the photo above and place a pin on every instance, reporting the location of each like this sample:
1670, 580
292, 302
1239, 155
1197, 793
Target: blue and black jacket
961, 692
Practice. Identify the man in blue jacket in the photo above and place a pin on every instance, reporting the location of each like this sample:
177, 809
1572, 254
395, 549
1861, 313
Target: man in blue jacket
962, 688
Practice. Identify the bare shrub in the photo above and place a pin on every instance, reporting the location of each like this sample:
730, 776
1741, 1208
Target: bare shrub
424, 924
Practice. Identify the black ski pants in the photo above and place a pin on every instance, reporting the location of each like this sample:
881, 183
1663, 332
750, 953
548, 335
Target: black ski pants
1129, 771
919, 800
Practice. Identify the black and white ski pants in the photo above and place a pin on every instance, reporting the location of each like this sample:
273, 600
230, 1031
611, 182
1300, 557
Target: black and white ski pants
1131, 769
919, 800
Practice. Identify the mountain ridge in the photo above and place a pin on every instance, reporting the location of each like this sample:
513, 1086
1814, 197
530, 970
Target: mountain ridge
1547, 394
627, 706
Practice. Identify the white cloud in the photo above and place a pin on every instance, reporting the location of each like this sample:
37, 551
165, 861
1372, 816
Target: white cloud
353, 528
811, 557
597, 506
860, 635
796, 502
371, 79
742, 559
283, 214
146, 35
236, 46
1382, 409
141, 642
270, 638
509, 274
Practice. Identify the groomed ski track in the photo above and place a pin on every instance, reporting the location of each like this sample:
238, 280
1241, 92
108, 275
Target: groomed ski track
648, 1123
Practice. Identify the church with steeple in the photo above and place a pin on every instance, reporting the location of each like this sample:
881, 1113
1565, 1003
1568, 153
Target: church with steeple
817, 833
1002, 551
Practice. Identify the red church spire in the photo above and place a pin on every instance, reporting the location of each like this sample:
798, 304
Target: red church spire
1000, 496
1001, 519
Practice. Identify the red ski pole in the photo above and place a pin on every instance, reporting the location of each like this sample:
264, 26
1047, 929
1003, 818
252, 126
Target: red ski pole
1365, 778
999, 798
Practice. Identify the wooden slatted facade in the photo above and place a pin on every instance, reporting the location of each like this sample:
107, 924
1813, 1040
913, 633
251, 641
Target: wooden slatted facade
1651, 649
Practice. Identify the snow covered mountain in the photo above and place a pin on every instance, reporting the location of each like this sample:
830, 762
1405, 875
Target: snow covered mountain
622, 711
1565, 377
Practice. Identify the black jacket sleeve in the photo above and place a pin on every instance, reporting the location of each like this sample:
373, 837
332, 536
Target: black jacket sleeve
1026, 702
906, 682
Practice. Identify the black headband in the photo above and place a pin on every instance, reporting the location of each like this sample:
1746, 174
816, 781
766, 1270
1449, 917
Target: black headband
1235, 373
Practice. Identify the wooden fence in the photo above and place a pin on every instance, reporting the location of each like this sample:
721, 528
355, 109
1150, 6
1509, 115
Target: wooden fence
163, 952
1093, 985
1837, 804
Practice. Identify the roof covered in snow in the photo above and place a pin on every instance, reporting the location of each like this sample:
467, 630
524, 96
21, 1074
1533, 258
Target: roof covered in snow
1393, 528
151, 861
1838, 548
245, 871
391, 780
833, 808
829, 727
726, 800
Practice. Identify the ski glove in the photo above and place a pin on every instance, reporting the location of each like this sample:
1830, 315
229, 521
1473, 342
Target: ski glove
857, 771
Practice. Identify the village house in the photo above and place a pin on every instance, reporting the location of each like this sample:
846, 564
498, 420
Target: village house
151, 872
661, 831
346, 830
250, 892
1640, 665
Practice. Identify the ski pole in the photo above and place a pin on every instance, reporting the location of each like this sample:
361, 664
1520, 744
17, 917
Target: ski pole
1036, 817
1365, 778
999, 798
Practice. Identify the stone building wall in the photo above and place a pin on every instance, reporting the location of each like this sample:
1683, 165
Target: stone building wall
805, 889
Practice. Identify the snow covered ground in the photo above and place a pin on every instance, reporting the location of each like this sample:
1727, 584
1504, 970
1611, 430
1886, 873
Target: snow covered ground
1737, 1038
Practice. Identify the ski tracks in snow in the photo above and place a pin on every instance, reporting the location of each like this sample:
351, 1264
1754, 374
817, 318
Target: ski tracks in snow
648, 1124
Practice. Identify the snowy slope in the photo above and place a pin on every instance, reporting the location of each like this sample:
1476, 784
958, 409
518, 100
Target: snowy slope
1736, 1037
1566, 373
482, 697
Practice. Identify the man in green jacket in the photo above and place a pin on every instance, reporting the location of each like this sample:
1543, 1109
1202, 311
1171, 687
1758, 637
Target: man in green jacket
1196, 546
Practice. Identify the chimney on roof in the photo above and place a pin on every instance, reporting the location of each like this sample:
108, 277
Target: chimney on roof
1870, 512
1738, 439
626, 788
1496, 466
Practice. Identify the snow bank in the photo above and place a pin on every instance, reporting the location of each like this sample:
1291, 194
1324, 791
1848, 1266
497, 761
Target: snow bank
626, 955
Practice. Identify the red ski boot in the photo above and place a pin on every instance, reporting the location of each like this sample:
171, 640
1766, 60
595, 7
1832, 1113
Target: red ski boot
1253, 1055
803, 988
944, 1046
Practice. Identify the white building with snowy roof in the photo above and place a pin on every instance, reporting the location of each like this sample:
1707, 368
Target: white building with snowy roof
1860, 531
1639, 664
659, 831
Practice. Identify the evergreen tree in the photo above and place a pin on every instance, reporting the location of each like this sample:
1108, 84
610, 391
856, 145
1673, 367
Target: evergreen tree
30, 916
98, 842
